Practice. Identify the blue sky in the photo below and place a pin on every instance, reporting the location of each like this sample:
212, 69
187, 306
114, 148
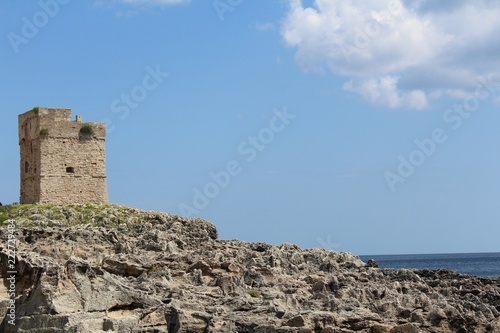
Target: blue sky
368, 127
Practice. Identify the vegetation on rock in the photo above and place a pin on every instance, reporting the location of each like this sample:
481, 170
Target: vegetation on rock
86, 130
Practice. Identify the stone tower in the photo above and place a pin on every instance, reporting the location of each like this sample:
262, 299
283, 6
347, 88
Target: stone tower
62, 161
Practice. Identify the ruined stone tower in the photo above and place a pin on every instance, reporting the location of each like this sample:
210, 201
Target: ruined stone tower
62, 161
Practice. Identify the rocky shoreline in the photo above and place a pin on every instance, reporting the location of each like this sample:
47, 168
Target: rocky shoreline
117, 269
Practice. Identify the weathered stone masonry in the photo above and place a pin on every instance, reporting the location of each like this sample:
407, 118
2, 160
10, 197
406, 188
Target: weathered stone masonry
60, 163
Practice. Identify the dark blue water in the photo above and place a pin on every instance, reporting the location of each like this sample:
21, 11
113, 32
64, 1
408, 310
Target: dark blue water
480, 264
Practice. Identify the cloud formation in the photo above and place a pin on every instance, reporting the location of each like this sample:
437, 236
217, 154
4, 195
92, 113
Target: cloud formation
398, 53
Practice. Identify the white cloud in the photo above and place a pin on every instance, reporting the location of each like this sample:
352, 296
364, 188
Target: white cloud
384, 91
398, 53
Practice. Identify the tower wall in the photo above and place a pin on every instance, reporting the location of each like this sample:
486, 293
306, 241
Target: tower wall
29, 143
64, 166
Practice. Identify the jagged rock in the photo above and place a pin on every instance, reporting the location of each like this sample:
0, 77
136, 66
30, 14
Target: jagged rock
122, 267
406, 328
297, 321
116, 269
436, 315
372, 263
380, 329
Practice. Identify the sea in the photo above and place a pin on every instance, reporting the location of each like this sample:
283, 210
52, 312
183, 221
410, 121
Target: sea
478, 264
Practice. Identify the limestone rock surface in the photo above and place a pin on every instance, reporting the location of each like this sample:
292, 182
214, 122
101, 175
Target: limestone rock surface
117, 269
